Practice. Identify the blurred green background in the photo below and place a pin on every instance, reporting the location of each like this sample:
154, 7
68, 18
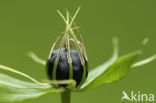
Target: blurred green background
33, 25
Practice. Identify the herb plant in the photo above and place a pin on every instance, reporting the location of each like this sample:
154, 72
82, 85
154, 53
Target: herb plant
67, 69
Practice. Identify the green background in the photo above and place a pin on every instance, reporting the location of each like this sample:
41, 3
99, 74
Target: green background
33, 25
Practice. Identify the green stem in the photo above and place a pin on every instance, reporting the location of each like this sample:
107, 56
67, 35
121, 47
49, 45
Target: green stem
65, 96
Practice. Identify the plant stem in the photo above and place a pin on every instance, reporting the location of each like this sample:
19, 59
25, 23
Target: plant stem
65, 96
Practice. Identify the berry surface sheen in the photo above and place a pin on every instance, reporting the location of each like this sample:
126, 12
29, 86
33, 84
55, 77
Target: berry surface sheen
62, 72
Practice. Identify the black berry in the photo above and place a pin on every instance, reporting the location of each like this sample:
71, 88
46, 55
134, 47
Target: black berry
62, 72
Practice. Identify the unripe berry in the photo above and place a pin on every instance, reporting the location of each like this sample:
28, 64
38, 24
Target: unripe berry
62, 69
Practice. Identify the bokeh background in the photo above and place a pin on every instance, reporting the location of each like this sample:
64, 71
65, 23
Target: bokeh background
33, 25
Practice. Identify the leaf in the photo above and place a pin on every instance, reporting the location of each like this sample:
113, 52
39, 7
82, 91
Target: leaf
22, 74
113, 73
12, 90
145, 61
36, 59
98, 71
10, 81
12, 94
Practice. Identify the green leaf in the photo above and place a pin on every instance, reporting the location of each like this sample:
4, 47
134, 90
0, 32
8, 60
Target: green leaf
111, 73
12, 90
94, 73
145, 61
10, 81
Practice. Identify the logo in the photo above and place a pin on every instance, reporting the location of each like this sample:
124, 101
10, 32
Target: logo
137, 96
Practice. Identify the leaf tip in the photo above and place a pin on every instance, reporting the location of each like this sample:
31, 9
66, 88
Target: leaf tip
115, 42
115, 39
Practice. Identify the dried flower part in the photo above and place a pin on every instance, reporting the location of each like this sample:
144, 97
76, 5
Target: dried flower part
64, 63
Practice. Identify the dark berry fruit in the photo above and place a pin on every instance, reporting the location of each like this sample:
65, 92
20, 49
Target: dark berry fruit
62, 72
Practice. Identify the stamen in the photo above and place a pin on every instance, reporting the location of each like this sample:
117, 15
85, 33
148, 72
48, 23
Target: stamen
57, 58
69, 58
56, 41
